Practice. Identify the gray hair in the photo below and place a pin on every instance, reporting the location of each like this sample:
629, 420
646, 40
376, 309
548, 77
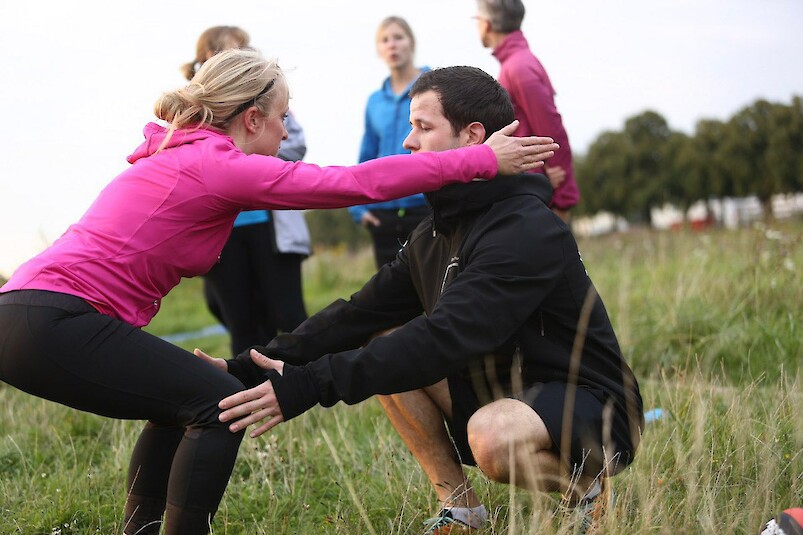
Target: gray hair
505, 16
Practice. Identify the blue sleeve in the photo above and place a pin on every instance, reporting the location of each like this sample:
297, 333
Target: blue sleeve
356, 213
369, 148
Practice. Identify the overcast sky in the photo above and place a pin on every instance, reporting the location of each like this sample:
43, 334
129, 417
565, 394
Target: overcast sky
79, 79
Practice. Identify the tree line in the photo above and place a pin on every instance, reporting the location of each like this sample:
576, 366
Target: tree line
758, 151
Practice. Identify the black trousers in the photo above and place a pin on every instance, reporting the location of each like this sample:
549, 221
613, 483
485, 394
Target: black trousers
395, 226
58, 347
255, 291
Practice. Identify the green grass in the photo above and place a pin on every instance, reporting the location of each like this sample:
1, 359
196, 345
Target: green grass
710, 322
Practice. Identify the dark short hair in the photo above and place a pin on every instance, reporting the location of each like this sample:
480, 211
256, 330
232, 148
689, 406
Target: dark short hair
468, 94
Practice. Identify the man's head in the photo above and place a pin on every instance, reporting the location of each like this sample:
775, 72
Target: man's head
454, 107
497, 18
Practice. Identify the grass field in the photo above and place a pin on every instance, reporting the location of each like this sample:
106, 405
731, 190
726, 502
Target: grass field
711, 323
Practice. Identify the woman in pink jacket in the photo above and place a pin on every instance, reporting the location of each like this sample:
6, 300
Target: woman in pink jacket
70, 317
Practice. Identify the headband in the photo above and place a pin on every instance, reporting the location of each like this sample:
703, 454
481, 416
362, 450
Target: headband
250, 102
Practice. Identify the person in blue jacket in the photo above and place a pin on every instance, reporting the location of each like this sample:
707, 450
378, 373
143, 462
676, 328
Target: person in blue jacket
386, 126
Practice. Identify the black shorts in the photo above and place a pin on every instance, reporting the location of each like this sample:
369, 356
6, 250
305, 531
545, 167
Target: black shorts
598, 435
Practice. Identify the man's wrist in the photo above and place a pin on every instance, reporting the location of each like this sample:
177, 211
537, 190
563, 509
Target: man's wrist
295, 389
245, 370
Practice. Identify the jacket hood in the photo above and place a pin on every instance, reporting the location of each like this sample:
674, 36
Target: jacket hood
456, 199
155, 135
387, 89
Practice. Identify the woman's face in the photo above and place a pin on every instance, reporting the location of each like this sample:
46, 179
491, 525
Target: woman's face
273, 131
394, 46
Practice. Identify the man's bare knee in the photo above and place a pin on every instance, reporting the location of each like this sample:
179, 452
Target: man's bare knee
504, 433
490, 436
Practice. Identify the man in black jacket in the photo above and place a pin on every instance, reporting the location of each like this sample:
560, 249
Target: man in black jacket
514, 350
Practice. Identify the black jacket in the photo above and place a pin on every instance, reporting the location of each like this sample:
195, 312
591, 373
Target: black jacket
500, 281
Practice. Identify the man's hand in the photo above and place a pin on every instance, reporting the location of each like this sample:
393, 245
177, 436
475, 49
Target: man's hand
254, 405
220, 364
556, 175
516, 155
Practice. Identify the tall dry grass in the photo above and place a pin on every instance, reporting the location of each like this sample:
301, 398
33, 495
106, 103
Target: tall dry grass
710, 322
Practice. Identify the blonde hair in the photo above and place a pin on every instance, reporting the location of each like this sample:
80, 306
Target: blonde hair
226, 85
214, 40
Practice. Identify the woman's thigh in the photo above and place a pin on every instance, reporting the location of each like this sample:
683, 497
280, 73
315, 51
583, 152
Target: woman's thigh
98, 364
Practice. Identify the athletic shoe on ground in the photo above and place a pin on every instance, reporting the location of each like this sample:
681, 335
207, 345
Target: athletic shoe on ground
591, 512
444, 524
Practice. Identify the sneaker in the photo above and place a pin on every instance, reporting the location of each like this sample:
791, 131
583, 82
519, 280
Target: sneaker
444, 524
592, 511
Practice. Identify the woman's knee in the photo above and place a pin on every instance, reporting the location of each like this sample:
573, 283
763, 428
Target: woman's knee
203, 411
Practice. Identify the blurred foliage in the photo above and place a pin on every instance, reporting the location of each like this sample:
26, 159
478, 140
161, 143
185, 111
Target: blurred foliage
759, 151
329, 228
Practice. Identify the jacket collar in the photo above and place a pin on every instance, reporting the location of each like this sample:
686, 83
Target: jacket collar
458, 199
514, 42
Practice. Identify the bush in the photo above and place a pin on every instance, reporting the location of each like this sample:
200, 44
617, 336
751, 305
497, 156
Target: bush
330, 228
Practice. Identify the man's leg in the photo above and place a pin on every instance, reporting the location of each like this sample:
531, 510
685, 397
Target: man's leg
511, 444
418, 418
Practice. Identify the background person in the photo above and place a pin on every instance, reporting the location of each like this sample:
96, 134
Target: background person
386, 125
526, 80
255, 289
505, 297
70, 317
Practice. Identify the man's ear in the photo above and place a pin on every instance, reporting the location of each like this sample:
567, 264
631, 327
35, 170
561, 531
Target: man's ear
475, 133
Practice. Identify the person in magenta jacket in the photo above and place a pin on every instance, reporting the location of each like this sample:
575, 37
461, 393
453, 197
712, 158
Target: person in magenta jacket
69, 317
255, 288
526, 80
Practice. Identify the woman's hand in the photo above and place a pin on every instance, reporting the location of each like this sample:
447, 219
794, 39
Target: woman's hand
220, 364
256, 404
516, 155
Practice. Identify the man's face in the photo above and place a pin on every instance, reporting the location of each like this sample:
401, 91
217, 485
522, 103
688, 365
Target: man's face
431, 130
483, 28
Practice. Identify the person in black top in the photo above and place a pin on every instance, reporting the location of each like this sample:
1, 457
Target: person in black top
498, 332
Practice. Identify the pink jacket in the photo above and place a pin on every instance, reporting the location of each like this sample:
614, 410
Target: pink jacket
169, 214
534, 105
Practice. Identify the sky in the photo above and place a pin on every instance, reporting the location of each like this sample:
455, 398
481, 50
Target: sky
79, 79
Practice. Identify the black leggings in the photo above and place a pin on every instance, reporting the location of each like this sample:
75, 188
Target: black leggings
58, 347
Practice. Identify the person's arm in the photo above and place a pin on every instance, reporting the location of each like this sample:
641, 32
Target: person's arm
256, 182
294, 147
369, 146
387, 300
476, 314
357, 213
536, 102
369, 150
